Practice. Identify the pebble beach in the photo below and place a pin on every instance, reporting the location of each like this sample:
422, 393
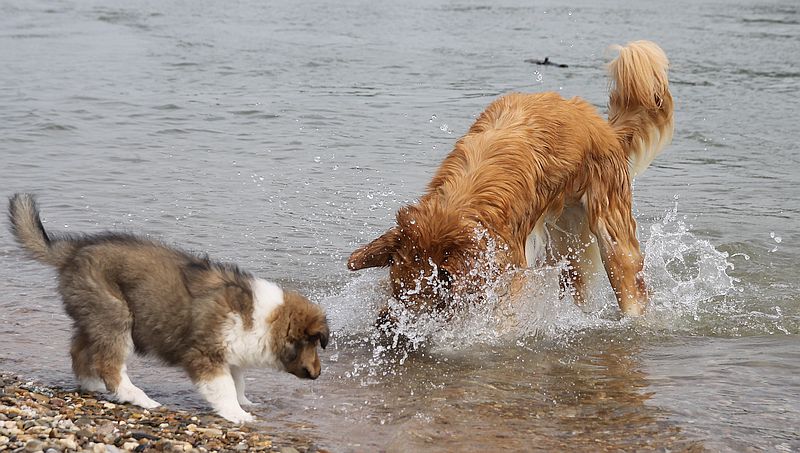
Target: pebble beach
37, 418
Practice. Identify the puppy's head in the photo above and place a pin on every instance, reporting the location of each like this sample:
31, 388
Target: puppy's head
297, 327
433, 254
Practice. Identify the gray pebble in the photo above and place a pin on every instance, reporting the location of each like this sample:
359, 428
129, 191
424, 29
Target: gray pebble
34, 445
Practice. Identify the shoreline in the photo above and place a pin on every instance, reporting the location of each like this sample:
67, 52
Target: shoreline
36, 417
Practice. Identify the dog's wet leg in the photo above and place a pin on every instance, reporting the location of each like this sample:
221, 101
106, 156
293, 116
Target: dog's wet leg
110, 356
238, 380
612, 223
129, 393
82, 364
218, 387
103, 333
573, 242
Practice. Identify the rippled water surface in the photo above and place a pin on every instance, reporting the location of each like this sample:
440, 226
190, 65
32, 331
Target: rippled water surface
282, 135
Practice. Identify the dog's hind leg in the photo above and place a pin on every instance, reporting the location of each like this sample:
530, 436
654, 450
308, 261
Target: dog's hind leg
109, 357
571, 240
82, 364
611, 220
102, 341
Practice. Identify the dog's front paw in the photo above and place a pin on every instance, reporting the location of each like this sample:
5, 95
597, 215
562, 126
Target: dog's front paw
239, 416
244, 401
148, 404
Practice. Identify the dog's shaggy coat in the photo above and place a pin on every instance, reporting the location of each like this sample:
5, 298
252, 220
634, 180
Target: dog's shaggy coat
537, 178
127, 293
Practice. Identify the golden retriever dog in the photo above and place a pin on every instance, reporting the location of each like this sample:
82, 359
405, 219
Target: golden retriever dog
126, 293
537, 179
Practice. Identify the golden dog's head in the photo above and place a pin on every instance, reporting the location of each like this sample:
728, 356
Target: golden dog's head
435, 257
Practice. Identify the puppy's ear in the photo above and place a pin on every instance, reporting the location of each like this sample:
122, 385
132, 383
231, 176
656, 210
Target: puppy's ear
319, 329
377, 253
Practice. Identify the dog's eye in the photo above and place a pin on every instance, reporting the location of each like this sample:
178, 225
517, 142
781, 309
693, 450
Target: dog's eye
290, 352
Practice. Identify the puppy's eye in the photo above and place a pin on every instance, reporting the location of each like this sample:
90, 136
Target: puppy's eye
290, 352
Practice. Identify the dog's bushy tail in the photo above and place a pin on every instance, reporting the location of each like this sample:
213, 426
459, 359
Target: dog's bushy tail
640, 104
30, 233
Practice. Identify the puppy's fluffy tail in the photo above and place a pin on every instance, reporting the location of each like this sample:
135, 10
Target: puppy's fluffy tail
640, 104
30, 233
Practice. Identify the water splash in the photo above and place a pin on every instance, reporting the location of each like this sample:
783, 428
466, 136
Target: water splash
687, 276
682, 270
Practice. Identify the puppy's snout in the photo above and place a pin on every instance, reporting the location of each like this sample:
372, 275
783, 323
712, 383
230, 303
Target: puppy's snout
313, 370
311, 373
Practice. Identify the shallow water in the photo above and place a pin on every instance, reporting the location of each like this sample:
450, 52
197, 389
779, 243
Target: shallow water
281, 136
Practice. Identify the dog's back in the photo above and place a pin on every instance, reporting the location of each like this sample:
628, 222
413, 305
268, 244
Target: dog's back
521, 154
112, 278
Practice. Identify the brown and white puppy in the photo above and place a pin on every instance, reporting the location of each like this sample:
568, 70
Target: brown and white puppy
125, 293
537, 179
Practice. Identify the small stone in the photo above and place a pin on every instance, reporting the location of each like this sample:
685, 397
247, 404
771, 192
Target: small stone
140, 436
38, 430
3, 440
109, 405
84, 421
180, 445
57, 402
288, 450
34, 445
109, 449
129, 446
65, 424
259, 445
105, 428
39, 397
234, 435
68, 442
210, 432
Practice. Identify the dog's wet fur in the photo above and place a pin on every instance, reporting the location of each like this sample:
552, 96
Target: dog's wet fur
537, 179
126, 293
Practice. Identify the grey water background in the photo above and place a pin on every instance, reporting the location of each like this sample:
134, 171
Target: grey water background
281, 135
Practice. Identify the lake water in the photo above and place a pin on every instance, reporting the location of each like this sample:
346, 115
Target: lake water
281, 135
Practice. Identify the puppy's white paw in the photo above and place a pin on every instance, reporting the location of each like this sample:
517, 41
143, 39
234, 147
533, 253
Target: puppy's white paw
148, 404
134, 395
235, 416
91, 384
